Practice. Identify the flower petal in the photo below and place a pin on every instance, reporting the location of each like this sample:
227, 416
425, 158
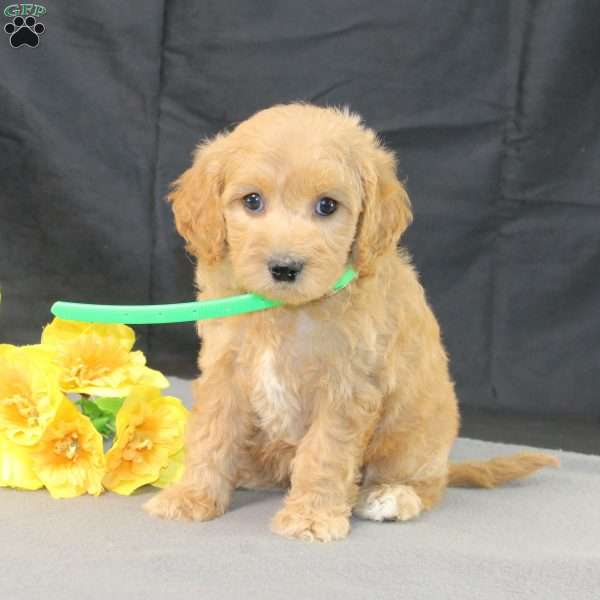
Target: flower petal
29, 392
172, 472
125, 477
69, 459
16, 469
60, 332
96, 359
150, 433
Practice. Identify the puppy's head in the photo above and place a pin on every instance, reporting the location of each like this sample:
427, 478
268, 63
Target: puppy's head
290, 198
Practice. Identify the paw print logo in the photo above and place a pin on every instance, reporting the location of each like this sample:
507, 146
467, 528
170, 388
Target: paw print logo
24, 32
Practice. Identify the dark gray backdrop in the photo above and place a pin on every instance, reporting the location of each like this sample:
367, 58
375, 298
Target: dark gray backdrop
493, 107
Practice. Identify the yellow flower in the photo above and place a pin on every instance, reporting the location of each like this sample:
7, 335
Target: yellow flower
69, 459
97, 359
172, 472
149, 441
16, 469
29, 392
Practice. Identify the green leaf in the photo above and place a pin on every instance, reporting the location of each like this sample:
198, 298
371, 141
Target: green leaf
110, 406
89, 408
100, 423
102, 412
104, 426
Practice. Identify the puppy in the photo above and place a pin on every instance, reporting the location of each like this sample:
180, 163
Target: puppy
343, 398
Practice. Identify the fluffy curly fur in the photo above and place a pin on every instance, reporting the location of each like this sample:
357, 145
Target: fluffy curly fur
345, 399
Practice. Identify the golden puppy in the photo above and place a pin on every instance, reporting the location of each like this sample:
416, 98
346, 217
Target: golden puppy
344, 398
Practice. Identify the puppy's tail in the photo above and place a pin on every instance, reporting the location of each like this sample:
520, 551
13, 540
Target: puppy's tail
490, 473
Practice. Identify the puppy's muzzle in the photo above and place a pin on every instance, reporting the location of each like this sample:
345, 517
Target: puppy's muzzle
285, 269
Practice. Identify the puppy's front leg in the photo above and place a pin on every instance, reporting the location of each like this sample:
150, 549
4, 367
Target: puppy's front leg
216, 433
326, 468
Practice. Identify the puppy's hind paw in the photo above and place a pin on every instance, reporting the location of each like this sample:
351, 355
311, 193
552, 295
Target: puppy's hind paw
389, 503
183, 502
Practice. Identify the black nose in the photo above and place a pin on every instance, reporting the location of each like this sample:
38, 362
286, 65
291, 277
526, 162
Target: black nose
285, 270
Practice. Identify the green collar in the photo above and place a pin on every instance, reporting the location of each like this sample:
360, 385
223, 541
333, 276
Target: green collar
175, 313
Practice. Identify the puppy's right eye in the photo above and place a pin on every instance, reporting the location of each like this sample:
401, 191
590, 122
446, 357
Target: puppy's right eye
254, 202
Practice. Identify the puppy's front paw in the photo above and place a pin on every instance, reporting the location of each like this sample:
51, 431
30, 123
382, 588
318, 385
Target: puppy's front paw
181, 502
310, 525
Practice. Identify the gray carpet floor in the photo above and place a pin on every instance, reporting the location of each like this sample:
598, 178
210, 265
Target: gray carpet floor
538, 538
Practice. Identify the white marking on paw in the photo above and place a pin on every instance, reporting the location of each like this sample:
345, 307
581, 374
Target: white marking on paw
384, 503
381, 508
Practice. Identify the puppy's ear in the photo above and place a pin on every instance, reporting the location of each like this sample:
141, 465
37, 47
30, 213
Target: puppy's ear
386, 210
197, 204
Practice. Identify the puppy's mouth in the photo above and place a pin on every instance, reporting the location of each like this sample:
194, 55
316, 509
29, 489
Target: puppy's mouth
286, 293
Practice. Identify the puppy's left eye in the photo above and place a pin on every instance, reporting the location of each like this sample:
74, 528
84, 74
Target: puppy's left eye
254, 202
326, 206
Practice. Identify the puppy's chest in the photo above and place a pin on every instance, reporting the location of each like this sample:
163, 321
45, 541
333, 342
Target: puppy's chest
285, 365
281, 410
